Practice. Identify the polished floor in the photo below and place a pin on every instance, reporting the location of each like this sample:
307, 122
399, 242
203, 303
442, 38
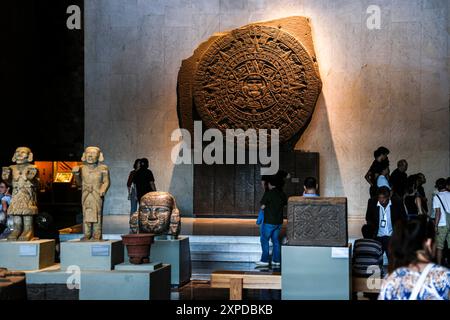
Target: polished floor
200, 288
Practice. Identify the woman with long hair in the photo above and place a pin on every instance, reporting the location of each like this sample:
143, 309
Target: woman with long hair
412, 200
412, 273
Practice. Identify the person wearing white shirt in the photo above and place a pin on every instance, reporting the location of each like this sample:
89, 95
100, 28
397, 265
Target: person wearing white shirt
441, 206
383, 213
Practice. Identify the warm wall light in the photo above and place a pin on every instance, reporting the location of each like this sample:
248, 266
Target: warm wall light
54, 172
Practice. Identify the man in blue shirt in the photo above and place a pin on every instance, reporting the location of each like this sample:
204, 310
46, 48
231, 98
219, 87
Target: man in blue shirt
383, 178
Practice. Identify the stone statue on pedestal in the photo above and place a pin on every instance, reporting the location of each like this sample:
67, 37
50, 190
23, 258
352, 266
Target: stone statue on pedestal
93, 177
158, 214
24, 179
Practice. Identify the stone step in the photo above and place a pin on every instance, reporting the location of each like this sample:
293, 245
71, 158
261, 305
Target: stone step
223, 239
225, 256
225, 248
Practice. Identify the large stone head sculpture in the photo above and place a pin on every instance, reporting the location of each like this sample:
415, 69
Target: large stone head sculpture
157, 214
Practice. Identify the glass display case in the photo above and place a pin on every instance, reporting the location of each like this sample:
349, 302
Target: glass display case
58, 193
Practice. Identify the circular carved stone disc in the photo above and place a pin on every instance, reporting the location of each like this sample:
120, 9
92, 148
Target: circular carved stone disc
256, 77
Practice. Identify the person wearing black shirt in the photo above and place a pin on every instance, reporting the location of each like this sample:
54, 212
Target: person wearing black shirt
272, 203
412, 200
398, 179
143, 179
421, 180
132, 187
381, 160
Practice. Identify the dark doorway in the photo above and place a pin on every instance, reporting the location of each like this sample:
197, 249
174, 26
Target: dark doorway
222, 190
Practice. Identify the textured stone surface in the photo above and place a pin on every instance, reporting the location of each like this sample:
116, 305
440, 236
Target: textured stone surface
260, 76
317, 222
357, 111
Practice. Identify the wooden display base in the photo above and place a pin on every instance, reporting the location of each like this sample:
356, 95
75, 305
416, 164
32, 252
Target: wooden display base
236, 281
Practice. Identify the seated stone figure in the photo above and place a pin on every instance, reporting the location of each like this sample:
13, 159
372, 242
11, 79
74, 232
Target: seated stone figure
157, 214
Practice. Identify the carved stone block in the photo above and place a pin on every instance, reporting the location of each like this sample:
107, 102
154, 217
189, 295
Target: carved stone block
317, 222
261, 76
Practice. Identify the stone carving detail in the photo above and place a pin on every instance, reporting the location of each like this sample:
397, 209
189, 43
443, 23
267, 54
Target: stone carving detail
158, 214
317, 221
260, 76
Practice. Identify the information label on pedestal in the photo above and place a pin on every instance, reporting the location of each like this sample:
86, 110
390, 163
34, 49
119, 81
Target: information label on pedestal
28, 250
100, 251
339, 253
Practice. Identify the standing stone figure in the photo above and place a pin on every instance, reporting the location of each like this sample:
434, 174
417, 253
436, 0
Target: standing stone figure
94, 180
24, 178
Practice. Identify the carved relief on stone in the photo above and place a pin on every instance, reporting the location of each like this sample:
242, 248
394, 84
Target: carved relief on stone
260, 76
317, 221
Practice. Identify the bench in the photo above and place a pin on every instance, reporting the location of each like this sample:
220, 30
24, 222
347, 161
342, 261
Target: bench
236, 281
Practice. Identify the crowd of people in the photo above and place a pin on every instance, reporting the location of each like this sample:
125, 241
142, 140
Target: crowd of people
400, 225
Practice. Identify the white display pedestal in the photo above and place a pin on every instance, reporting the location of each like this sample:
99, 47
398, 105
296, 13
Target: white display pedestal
126, 285
149, 281
316, 273
27, 255
91, 255
177, 253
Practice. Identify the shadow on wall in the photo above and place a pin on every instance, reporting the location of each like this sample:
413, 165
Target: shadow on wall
182, 188
330, 175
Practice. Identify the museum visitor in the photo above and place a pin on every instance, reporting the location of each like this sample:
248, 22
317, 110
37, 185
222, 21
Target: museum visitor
273, 202
441, 206
398, 178
412, 274
383, 213
381, 158
144, 179
132, 195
